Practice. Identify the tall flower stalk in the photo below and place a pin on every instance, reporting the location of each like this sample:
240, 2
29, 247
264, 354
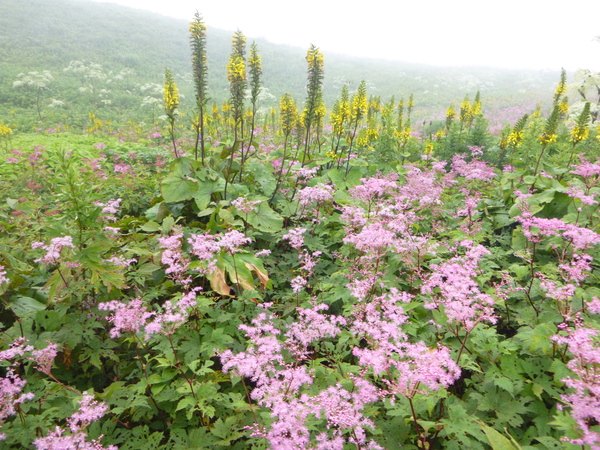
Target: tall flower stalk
236, 74
289, 118
314, 99
171, 101
255, 64
200, 69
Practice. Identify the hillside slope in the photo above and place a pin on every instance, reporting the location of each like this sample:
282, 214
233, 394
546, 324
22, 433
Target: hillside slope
38, 35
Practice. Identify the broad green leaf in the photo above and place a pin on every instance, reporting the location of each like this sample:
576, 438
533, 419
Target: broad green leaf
265, 219
150, 227
178, 185
23, 306
205, 190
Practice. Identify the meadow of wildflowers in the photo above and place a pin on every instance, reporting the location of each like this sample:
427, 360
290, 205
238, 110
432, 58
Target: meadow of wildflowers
365, 285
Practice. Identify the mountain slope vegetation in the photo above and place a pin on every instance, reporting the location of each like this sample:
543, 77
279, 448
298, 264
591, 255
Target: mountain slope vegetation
36, 35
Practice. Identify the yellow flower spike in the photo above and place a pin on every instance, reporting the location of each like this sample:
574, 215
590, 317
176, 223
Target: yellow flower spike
579, 134
563, 107
372, 133
516, 138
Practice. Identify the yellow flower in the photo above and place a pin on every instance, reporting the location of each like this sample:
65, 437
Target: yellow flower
236, 68
516, 137
560, 89
450, 112
362, 139
5, 130
563, 107
314, 58
428, 148
546, 139
579, 134
320, 111
372, 133
170, 93
288, 113
255, 61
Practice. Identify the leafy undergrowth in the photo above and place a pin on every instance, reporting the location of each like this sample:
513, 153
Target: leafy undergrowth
408, 294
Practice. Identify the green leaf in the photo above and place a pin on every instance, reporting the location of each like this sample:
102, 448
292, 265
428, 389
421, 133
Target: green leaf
178, 185
206, 189
23, 306
265, 219
498, 441
150, 227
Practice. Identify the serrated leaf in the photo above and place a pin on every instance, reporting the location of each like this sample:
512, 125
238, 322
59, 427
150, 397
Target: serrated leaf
185, 402
504, 383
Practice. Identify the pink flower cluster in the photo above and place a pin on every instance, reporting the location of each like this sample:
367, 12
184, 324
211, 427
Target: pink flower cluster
173, 257
536, 228
587, 169
473, 170
244, 205
206, 247
405, 366
89, 411
322, 193
134, 316
279, 385
11, 385
374, 187
584, 401
53, 251
452, 285
109, 209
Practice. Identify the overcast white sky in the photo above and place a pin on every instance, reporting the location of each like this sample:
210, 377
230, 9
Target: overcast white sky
536, 34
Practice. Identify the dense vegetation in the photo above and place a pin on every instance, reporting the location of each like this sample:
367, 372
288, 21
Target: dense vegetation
322, 276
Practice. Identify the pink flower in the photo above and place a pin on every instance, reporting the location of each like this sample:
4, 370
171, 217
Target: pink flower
45, 357
582, 343
452, 285
474, 170
205, 247
53, 251
3, 278
322, 193
374, 187
295, 237
89, 411
233, 240
126, 317
372, 238
587, 169
244, 205
120, 261
174, 258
